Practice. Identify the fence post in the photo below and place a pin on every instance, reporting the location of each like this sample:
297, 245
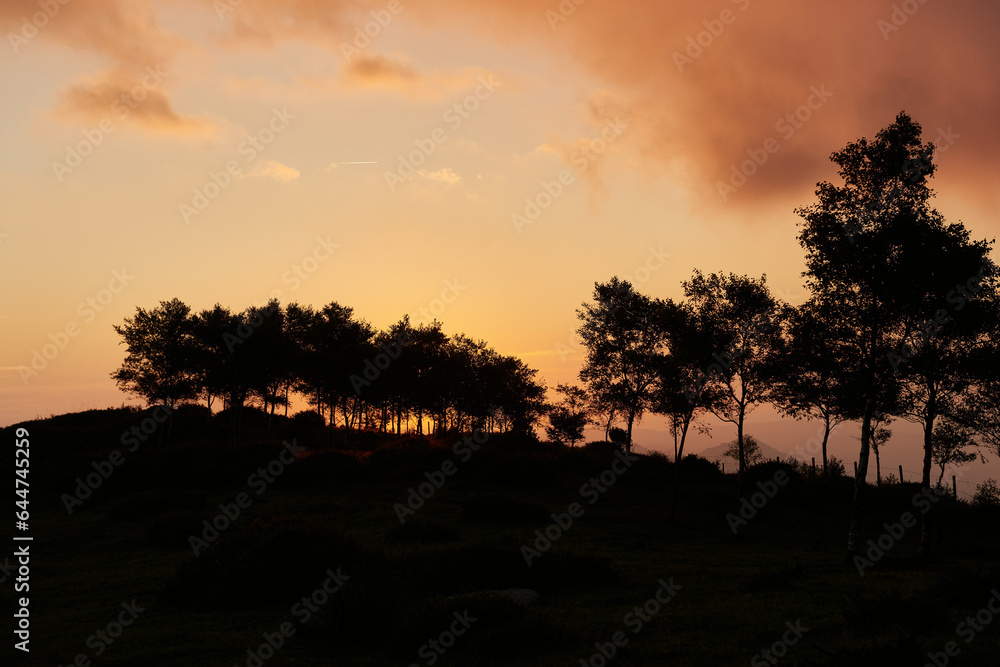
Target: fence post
855, 468
814, 466
900, 473
954, 489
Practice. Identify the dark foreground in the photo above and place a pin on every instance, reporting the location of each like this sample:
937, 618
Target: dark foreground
312, 565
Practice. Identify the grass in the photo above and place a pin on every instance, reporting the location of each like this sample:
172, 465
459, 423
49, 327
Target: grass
335, 510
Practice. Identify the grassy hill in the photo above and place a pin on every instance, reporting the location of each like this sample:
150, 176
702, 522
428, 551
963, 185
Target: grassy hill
318, 549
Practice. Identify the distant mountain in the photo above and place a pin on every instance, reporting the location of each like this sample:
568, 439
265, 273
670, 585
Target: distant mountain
718, 453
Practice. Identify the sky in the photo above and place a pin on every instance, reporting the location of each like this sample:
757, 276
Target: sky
483, 163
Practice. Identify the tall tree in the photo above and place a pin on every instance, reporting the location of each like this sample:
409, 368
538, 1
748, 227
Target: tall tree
159, 363
625, 343
690, 352
807, 383
877, 256
742, 320
212, 351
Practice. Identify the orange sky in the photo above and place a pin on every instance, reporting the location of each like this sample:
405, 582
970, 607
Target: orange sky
203, 151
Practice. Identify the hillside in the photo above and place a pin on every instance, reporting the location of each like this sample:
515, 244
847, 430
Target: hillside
556, 553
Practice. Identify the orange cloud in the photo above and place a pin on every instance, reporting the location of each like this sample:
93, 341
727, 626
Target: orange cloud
117, 95
129, 35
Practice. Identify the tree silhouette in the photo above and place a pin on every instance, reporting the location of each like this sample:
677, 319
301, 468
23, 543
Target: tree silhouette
980, 408
876, 257
690, 351
742, 320
568, 418
807, 384
951, 440
625, 344
212, 352
159, 363
751, 450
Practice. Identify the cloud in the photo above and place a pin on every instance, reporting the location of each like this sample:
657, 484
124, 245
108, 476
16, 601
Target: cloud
706, 83
445, 176
748, 69
272, 169
396, 74
117, 95
126, 33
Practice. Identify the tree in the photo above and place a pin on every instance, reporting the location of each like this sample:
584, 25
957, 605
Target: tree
625, 344
604, 413
979, 409
690, 351
879, 438
569, 418
159, 364
741, 318
950, 443
752, 453
877, 256
211, 354
806, 384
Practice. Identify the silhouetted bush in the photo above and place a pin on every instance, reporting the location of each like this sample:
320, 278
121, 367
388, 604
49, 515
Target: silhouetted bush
765, 472
308, 419
694, 467
987, 494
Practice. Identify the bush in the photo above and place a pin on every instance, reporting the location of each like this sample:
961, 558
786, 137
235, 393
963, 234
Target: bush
987, 494
764, 472
835, 467
697, 468
308, 419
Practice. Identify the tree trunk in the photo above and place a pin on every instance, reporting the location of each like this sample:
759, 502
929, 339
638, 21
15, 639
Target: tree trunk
925, 481
741, 464
628, 440
878, 466
857, 508
678, 454
826, 439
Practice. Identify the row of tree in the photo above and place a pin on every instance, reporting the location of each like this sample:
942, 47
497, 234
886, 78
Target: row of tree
355, 376
901, 322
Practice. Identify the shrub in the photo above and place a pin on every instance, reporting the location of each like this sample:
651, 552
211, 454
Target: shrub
835, 467
697, 468
987, 494
308, 419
